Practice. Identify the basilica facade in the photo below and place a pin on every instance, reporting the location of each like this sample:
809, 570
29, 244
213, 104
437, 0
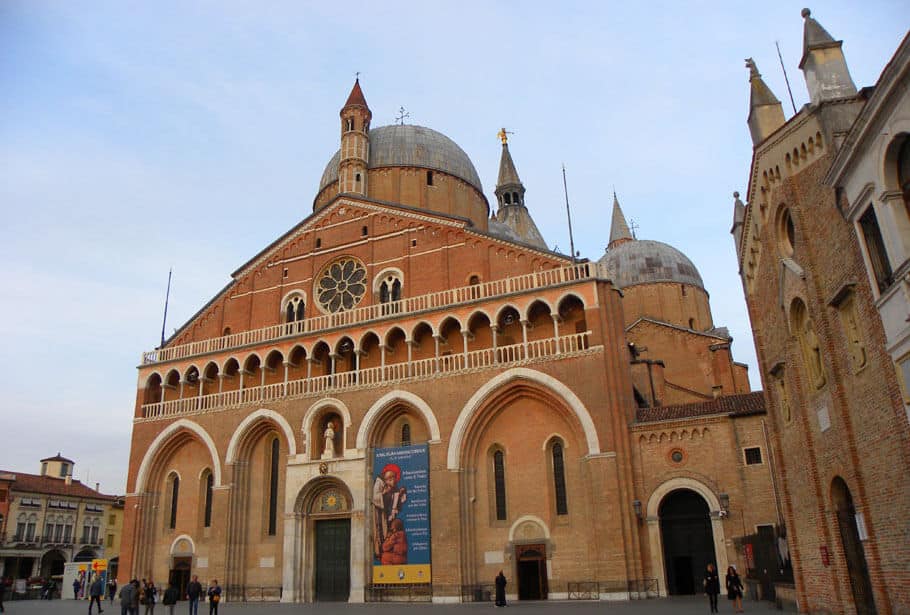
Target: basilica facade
409, 391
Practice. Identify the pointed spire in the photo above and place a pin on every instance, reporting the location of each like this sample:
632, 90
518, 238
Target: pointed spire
507, 172
355, 98
619, 230
823, 63
739, 216
766, 114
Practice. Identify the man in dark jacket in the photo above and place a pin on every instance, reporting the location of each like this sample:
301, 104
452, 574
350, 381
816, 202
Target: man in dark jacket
193, 592
128, 596
95, 592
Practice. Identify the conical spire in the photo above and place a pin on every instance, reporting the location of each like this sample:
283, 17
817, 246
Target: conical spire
765, 111
619, 230
507, 173
739, 217
823, 63
355, 98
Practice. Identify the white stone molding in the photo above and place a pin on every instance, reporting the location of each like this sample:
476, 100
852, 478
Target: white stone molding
247, 423
186, 537
520, 373
653, 521
163, 437
529, 519
406, 397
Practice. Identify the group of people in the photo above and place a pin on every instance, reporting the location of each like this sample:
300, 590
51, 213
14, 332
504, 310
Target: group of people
134, 594
734, 588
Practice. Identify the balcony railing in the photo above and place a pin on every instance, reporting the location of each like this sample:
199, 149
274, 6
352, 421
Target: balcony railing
486, 358
410, 305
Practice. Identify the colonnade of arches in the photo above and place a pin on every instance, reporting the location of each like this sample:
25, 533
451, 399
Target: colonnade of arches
396, 344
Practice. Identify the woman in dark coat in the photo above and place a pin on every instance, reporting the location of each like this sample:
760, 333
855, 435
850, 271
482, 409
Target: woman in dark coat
712, 586
500, 589
735, 589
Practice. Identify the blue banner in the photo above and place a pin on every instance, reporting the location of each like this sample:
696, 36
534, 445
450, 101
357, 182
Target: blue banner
401, 515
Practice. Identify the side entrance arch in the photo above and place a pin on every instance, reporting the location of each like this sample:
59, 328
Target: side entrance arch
855, 557
685, 534
688, 545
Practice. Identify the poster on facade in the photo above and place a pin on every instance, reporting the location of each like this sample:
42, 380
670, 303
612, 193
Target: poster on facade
401, 515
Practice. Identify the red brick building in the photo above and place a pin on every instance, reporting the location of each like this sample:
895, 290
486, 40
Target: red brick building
811, 255
401, 313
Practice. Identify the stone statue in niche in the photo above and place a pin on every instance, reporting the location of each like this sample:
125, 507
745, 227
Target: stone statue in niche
813, 353
328, 450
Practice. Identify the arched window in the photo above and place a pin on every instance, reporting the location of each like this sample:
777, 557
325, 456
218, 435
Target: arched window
903, 170
559, 479
273, 488
406, 434
207, 510
175, 492
499, 484
389, 290
295, 308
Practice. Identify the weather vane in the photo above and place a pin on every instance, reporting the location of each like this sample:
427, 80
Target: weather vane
402, 114
357, 75
503, 134
633, 227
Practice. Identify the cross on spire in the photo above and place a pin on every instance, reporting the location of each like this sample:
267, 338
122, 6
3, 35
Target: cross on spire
633, 226
357, 75
402, 114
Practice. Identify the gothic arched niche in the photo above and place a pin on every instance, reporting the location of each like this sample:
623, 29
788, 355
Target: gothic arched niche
802, 326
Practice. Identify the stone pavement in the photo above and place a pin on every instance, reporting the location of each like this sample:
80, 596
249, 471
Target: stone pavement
669, 606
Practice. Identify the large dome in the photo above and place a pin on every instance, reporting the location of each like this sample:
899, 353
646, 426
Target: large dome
411, 146
645, 262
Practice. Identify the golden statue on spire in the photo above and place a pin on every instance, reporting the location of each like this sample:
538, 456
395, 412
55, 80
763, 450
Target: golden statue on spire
503, 134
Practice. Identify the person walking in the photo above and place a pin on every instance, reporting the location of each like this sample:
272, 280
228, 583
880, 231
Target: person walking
112, 589
735, 589
76, 587
712, 586
193, 592
95, 592
214, 595
151, 597
128, 596
170, 598
500, 589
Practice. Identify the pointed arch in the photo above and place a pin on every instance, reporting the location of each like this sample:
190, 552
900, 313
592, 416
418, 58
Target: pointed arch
247, 423
467, 414
386, 401
164, 437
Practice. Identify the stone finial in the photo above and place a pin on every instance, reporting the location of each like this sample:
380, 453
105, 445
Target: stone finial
805, 13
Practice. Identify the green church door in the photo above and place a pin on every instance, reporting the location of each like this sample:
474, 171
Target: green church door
333, 560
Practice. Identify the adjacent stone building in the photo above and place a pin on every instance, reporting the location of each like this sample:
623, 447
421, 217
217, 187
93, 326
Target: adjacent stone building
822, 246
580, 425
51, 519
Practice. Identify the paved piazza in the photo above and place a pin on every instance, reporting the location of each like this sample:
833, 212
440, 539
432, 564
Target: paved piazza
674, 606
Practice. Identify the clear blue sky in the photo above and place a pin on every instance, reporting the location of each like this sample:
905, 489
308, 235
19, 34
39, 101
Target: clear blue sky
135, 137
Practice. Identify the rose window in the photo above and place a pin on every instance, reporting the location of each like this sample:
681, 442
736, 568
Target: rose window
341, 285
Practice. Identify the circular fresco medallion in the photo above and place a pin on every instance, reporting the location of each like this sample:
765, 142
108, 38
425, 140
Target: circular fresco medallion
341, 285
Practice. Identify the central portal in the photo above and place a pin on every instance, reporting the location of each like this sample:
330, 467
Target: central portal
333, 560
685, 527
532, 572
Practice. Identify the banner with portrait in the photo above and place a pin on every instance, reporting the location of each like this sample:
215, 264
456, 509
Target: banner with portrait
400, 508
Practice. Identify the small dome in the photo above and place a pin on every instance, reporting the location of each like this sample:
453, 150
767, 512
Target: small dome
411, 146
645, 262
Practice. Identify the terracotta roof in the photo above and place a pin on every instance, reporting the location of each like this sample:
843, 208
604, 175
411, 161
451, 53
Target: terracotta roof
356, 96
48, 485
731, 405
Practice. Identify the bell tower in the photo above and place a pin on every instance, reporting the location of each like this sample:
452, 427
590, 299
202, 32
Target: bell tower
355, 143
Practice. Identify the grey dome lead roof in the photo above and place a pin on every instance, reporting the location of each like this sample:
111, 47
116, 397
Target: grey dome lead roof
411, 146
644, 261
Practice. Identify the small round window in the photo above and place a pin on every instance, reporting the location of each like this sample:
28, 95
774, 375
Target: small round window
677, 456
786, 233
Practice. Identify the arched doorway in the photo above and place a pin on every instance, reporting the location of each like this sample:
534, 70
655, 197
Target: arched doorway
181, 563
687, 538
857, 569
323, 551
531, 569
85, 555
52, 564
